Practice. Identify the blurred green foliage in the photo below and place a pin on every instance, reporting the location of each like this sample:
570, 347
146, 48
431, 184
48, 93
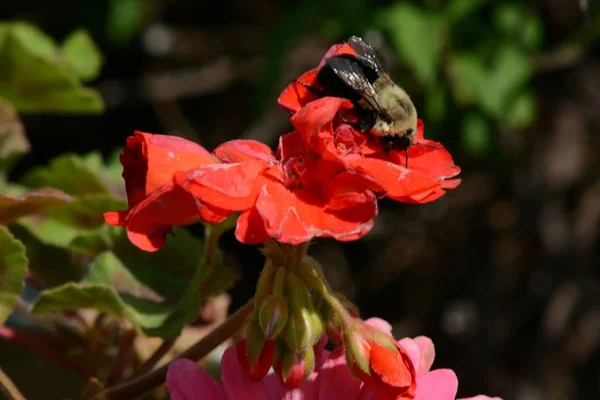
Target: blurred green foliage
471, 58
37, 75
13, 268
52, 219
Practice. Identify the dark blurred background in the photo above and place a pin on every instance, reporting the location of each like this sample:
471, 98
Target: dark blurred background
502, 273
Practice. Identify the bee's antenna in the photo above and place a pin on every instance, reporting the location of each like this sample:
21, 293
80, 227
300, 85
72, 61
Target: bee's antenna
406, 151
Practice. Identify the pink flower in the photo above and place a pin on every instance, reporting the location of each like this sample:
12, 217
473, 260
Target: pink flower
331, 380
439, 384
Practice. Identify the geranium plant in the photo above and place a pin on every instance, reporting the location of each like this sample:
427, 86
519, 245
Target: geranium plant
324, 180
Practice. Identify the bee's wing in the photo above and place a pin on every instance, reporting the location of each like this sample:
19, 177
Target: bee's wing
368, 56
353, 76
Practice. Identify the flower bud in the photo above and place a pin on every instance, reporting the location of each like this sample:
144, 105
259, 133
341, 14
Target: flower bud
298, 333
299, 294
258, 370
357, 351
279, 280
265, 281
255, 341
350, 306
317, 327
387, 372
332, 327
273, 316
293, 368
311, 273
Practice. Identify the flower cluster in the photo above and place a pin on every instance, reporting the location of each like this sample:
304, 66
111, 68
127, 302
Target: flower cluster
332, 380
323, 181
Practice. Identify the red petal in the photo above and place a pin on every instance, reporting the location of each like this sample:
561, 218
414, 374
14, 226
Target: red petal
297, 216
278, 209
300, 92
450, 183
392, 367
337, 50
397, 181
250, 227
428, 156
228, 186
290, 146
317, 116
420, 129
347, 190
115, 218
150, 221
212, 215
166, 154
236, 151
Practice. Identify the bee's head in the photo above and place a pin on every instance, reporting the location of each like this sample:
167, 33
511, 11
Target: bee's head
401, 118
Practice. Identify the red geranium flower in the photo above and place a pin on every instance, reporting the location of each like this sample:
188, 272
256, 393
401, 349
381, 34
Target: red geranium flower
430, 166
364, 157
281, 197
155, 203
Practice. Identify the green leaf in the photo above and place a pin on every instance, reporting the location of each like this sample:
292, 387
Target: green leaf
13, 142
223, 279
166, 271
80, 53
73, 296
457, 10
111, 288
508, 18
36, 201
522, 111
417, 36
435, 104
52, 264
533, 32
35, 79
113, 172
93, 243
70, 173
511, 71
49, 231
491, 87
471, 76
34, 40
124, 20
476, 134
13, 270
86, 212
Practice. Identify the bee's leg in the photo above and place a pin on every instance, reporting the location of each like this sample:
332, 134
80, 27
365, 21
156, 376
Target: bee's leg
406, 152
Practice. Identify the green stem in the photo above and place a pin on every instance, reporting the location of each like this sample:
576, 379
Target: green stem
145, 383
274, 252
312, 274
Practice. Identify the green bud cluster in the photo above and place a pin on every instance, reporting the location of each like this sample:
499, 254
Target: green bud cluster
294, 308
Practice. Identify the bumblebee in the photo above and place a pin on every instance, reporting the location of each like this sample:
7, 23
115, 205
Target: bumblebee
384, 108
